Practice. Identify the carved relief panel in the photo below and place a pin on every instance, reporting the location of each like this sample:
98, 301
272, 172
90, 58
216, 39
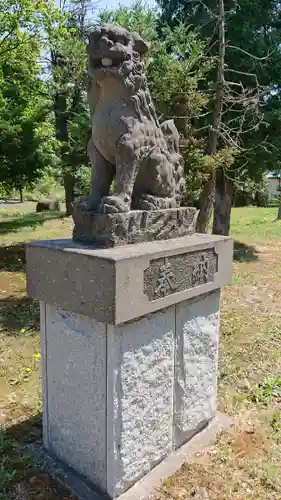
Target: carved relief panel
179, 273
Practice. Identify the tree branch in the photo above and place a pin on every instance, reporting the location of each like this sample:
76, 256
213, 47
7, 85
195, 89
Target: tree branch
22, 42
248, 53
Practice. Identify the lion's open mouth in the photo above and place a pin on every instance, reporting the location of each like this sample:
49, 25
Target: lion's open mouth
107, 61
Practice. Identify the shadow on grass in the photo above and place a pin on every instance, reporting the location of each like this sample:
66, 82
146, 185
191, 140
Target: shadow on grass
12, 258
28, 220
19, 313
26, 431
21, 476
244, 252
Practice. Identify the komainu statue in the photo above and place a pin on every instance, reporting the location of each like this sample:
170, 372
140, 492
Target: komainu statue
128, 145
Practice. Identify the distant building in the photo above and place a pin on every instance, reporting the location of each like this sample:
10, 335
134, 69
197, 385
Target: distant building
274, 185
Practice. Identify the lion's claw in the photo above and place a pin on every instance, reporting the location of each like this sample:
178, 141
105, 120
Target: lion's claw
113, 205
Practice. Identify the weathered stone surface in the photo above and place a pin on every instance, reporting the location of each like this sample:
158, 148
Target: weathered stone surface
140, 395
146, 487
180, 272
74, 392
196, 360
119, 399
128, 144
136, 226
109, 284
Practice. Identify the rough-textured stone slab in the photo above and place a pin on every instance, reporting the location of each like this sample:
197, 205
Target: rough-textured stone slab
75, 396
137, 226
196, 363
143, 489
140, 397
115, 285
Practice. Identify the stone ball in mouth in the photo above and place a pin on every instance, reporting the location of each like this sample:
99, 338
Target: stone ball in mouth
106, 62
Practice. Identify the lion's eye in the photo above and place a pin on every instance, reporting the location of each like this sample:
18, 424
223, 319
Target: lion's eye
123, 40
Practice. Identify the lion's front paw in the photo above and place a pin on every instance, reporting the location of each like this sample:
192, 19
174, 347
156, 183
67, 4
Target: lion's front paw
149, 202
114, 204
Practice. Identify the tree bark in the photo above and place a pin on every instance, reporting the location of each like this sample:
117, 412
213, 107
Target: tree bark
61, 124
223, 203
69, 183
279, 210
206, 203
21, 195
207, 195
61, 121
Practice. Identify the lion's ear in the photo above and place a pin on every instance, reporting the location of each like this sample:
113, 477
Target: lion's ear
140, 45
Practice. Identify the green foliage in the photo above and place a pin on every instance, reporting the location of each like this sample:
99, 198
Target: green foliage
48, 186
25, 21
253, 61
27, 145
268, 390
276, 421
82, 180
177, 67
27, 142
68, 90
45, 122
7, 473
252, 192
139, 18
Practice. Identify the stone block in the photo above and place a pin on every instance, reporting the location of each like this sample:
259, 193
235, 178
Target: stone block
110, 230
74, 391
196, 364
140, 389
115, 285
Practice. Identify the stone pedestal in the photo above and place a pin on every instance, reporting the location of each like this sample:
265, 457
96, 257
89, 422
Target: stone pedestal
136, 226
129, 350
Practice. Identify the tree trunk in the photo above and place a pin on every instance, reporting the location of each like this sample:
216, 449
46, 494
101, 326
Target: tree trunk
21, 195
69, 182
61, 121
207, 195
223, 203
61, 124
206, 203
279, 210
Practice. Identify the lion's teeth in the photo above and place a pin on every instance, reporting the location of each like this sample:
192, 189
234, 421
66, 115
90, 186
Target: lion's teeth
106, 61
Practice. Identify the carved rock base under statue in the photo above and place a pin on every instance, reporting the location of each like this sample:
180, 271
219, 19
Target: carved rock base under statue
110, 230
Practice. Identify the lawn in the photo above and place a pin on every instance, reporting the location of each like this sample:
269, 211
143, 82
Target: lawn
245, 463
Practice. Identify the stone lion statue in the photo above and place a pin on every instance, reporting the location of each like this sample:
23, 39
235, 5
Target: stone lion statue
128, 144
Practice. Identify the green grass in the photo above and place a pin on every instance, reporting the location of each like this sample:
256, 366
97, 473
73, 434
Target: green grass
19, 221
267, 391
245, 462
252, 224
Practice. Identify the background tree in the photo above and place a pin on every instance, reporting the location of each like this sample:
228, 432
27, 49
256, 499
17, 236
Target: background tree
251, 72
26, 143
68, 61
